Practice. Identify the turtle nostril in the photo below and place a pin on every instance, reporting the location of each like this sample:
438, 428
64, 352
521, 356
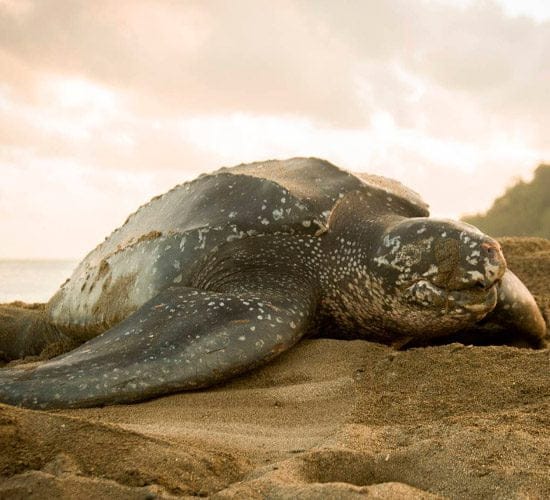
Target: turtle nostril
491, 250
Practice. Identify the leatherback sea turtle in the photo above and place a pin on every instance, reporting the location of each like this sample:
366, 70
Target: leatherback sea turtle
223, 273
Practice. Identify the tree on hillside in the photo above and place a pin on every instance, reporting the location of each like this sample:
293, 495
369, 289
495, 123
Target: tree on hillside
523, 210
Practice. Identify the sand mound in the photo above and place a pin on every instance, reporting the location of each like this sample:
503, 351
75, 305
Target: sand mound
329, 419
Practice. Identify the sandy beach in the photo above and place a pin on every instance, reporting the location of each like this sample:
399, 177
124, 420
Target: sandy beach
329, 419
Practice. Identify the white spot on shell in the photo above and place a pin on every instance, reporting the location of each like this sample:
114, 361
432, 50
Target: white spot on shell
277, 214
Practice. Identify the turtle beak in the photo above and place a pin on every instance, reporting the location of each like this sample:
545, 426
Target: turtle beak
479, 266
493, 262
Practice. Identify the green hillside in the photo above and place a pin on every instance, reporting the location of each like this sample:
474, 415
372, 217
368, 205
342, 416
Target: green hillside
523, 210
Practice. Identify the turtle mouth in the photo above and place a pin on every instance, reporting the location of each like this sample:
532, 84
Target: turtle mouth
483, 286
475, 300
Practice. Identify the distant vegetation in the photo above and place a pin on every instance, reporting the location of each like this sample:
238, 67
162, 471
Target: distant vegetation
523, 210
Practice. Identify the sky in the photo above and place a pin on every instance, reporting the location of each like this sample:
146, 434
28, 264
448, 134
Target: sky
105, 104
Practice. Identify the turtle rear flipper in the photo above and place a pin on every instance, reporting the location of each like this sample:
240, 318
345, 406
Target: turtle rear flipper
184, 338
26, 331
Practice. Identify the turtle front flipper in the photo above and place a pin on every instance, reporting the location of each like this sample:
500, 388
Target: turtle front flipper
182, 339
516, 317
517, 310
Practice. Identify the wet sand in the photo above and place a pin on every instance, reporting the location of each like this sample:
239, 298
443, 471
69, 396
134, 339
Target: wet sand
329, 419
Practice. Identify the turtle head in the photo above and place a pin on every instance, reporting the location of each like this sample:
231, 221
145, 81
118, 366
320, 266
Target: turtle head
443, 273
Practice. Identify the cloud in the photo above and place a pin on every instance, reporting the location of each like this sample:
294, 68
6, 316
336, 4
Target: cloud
449, 96
194, 57
329, 61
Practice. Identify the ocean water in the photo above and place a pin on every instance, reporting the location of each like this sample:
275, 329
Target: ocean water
32, 280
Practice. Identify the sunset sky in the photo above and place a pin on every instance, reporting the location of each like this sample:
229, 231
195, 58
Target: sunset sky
104, 104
